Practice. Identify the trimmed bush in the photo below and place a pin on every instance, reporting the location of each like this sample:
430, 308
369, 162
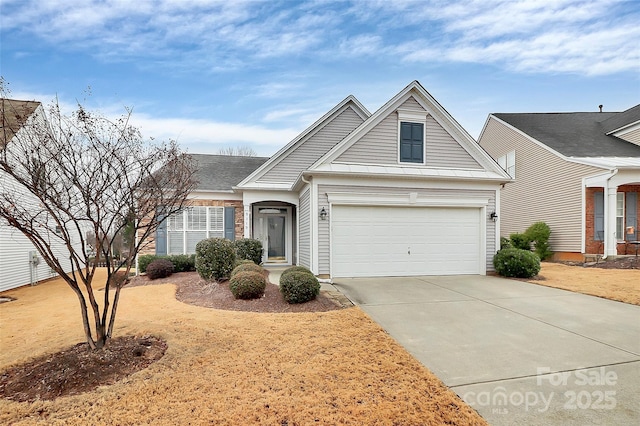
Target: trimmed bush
215, 258
183, 262
247, 285
299, 286
145, 260
505, 243
539, 234
249, 249
518, 263
520, 241
244, 267
295, 269
159, 268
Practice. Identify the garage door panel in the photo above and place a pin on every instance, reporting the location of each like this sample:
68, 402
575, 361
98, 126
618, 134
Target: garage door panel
379, 241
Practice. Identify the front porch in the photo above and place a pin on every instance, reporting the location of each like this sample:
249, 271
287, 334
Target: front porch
271, 217
612, 203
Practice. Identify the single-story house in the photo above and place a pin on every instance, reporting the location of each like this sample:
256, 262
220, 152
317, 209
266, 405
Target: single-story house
20, 262
578, 172
403, 191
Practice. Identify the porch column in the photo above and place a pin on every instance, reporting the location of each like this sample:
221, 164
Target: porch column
247, 220
610, 238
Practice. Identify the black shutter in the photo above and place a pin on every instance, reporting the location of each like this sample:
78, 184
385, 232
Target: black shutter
411, 142
230, 223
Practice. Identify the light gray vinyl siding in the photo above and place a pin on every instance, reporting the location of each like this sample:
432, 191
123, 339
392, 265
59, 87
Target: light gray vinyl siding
310, 150
632, 136
377, 146
444, 151
547, 188
380, 144
324, 244
304, 232
15, 269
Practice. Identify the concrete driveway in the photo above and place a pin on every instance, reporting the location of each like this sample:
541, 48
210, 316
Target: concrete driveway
518, 353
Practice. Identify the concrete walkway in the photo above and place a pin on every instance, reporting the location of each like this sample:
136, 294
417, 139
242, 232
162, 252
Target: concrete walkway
519, 353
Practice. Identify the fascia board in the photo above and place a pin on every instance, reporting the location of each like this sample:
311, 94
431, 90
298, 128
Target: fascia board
625, 129
308, 132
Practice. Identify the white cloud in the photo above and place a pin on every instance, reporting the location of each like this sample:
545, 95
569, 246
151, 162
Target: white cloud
214, 36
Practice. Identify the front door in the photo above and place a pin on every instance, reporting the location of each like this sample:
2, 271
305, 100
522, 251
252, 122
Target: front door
271, 227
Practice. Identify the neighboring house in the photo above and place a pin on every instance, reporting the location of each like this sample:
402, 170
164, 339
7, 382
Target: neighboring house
20, 262
578, 172
403, 191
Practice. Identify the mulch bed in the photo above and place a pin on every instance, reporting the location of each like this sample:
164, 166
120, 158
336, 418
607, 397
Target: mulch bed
79, 369
194, 290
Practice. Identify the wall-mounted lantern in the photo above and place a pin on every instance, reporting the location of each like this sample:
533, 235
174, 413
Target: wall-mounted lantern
493, 216
323, 214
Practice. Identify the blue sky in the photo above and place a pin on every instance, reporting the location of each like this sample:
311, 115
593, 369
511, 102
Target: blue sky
214, 74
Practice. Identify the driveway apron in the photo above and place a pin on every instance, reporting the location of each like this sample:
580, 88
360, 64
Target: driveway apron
518, 353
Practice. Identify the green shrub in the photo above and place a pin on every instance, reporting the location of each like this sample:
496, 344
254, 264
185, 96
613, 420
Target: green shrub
183, 262
159, 268
299, 286
215, 258
518, 263
145, 260
538, 234
249, 249
295, 269
244, 267
520, 241
244, 262
247, 285
505, 243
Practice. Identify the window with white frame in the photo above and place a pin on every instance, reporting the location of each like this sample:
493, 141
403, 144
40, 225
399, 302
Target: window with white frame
620, 230
508, 163
186, 228
411, 136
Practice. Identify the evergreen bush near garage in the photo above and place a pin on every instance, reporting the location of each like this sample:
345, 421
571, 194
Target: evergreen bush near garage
539, 234
505, 243
517, 263
247, 285
295, 269
299, 286
249, 249
159, 268
246, 267
520, 241
215, 258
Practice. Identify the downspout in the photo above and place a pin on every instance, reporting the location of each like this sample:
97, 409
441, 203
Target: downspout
607, 218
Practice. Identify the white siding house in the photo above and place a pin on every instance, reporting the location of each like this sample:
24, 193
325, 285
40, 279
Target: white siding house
20, 262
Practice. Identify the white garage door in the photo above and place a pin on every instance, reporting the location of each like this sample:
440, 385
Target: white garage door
402, 241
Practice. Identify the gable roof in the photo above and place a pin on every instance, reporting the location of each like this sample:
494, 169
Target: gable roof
575, 134
14, 114
349, 101
223, 172
434, 108
623, 119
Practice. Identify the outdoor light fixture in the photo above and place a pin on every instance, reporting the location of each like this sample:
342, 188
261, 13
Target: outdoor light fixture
323, 214
494, 216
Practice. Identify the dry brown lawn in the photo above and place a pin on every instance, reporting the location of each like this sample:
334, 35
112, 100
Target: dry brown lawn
616, 284
226, 367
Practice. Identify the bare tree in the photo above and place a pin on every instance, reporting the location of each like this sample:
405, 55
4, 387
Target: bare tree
79, 182
241, 151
